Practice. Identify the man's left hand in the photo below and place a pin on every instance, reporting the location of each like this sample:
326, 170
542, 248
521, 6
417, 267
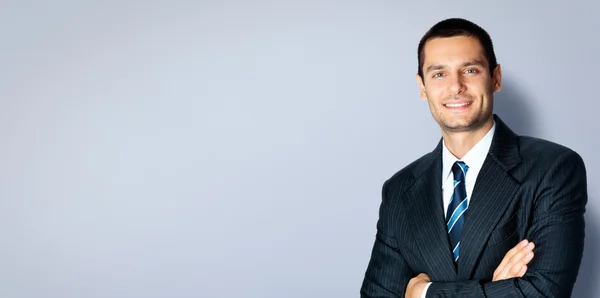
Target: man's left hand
415, 286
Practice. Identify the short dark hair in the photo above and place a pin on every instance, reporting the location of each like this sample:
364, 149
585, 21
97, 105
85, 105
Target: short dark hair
458, 27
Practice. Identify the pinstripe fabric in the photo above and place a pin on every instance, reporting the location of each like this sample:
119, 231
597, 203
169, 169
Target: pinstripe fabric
527, 188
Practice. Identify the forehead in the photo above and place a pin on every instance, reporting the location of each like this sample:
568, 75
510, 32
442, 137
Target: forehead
452, 50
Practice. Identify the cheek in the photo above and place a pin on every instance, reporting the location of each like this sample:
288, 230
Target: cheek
435, 86
435, 92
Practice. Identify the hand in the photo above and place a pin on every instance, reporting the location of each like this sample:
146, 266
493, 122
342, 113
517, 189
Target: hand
515, 261
416, 285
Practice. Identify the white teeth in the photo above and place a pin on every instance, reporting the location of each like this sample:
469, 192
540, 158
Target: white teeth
456, 105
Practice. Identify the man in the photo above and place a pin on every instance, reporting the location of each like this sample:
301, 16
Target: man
463, 220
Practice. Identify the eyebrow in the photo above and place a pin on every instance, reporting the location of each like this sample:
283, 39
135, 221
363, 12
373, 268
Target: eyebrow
466, 64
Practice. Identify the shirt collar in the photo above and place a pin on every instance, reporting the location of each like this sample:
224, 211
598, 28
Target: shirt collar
474, 158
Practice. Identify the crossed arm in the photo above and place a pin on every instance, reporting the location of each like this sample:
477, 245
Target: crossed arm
557, 229
513, 265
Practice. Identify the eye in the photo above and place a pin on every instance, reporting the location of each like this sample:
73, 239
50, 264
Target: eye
437, 75
472, 70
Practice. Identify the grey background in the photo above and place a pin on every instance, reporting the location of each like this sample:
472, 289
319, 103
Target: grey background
238, 148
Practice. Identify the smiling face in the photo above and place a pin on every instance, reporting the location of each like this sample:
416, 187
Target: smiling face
458, 85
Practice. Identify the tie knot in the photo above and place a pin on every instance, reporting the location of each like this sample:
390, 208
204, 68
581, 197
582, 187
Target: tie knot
459, 169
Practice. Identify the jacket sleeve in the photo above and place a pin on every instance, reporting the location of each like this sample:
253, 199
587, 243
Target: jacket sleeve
558, 231
387, 273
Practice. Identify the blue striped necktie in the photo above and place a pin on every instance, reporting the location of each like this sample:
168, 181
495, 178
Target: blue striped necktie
457, 207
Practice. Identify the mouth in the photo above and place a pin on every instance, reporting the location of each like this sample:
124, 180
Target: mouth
457, 105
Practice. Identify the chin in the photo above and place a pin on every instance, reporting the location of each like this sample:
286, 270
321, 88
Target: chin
456, 128
462, 126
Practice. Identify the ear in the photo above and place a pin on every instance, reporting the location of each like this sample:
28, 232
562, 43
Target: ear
497, 78
422, 90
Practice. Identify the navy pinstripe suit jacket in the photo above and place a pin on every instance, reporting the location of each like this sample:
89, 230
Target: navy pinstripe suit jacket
528, 188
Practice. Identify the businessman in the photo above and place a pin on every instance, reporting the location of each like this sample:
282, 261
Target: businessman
487, 213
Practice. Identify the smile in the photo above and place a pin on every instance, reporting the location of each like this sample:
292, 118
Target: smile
457, 105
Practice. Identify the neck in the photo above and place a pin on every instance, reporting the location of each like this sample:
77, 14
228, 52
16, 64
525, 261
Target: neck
459, 143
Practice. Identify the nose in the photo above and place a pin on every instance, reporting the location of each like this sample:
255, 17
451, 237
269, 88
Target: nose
456, 85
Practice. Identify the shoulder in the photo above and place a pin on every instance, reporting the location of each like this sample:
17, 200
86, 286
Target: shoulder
542, 150
405, 177
544, 158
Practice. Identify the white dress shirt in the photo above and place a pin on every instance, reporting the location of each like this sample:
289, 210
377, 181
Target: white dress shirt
474, 160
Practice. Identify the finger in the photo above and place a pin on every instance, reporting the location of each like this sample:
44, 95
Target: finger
503, 270
517, 267
509, 254
514, 264
512, 252
528, 258
517, 259
522, 272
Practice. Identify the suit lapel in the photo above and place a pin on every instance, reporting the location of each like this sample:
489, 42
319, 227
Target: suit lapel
494, 190
426, 212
